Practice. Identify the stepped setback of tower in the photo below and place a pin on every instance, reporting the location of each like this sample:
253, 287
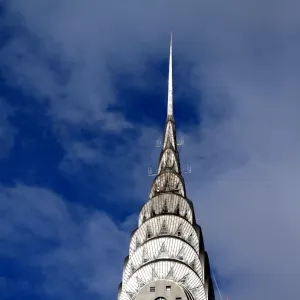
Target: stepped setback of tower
167, 259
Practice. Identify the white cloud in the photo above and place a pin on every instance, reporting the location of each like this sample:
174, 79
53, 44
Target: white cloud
84, 249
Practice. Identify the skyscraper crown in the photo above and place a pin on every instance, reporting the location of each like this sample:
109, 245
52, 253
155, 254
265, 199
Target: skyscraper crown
167, 259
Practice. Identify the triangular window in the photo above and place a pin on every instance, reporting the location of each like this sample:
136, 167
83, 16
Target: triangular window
163, 248
140, 282
190, 238
130, 295
165, 207
167, 186
145, 256
133, 269
163, 229
195, 291
152, 212
137, 243
180, 254
184, 279
179, 230
154, 275
144, 218
163, 251
149, 233
193, 264
170, 275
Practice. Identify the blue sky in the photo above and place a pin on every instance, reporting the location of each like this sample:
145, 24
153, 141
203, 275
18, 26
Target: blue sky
83, 90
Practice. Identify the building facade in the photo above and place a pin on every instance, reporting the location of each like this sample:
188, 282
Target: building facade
167, 259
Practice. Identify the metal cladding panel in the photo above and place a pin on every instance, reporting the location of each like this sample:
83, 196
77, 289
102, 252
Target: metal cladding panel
164, 269
166, 203
154, 227
168, 182
164, 247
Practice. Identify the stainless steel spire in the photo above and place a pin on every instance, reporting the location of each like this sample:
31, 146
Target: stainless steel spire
170, 83
167, 258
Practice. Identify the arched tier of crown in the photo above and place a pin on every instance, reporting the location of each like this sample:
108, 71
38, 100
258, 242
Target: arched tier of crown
168, 244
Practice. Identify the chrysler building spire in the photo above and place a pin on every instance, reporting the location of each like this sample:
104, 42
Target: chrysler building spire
167, 259
170, 83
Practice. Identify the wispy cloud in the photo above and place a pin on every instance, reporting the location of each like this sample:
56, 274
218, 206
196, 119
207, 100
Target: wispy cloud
78, 253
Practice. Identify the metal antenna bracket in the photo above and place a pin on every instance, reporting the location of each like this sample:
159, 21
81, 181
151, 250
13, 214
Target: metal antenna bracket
180, 141
158, 143
150, 172
188, 169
